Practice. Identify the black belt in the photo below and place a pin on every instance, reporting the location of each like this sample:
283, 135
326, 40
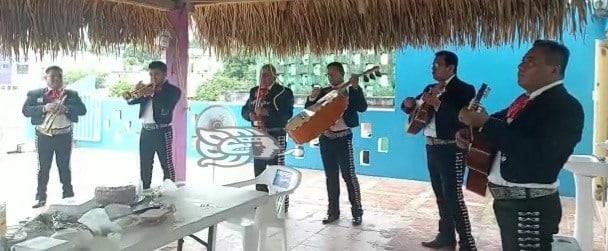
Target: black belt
506, 193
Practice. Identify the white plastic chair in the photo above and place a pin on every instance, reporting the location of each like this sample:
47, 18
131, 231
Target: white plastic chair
281, 181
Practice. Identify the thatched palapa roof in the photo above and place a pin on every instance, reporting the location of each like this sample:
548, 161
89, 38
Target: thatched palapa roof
60, 25
286, 26
323, 26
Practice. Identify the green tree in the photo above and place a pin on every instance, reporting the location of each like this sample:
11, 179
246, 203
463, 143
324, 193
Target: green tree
137, 58
240, 68
74, 75
238, 74
100, 81
120, 88
219, 84
384, 91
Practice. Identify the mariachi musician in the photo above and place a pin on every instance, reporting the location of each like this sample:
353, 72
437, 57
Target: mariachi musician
337, 147
53, 110
157, 101
269, 107
444, 158
534, 136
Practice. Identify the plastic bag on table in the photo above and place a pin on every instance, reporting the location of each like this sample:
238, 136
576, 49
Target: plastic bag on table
99, 222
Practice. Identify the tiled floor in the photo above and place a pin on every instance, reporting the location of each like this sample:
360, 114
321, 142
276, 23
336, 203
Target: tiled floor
399, 214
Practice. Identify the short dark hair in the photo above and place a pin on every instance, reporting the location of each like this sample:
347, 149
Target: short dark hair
449, 57
158, 65
53, 68
338, 66
556, 54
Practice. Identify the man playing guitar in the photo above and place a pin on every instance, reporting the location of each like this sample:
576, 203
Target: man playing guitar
445, 159
534, 137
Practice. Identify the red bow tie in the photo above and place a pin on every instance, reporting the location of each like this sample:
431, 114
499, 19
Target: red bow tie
263, 92
54, 94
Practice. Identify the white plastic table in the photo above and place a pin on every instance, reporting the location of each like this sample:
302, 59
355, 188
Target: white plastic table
197, 208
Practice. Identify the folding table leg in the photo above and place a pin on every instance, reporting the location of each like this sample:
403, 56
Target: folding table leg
210, 244
211, 238
180, 244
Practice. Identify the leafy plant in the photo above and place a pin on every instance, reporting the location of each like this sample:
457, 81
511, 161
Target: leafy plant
74, 75
101, 80
383, 91
120, 88
219, 84
240, 68
137, 58
238, 74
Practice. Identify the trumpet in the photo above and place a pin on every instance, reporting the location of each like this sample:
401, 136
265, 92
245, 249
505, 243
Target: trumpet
140, 90
47, 124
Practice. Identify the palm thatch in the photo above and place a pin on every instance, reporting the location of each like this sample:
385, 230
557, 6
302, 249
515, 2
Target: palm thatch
64, 25
320, 26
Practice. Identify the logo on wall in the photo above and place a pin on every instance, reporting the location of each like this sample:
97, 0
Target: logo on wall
221, 143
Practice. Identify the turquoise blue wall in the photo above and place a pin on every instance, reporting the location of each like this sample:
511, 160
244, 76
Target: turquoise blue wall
406, 158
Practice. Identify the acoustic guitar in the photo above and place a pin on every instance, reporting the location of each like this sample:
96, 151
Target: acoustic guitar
422, 115
480, 154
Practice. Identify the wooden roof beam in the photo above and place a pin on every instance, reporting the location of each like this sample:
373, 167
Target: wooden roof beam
164, 5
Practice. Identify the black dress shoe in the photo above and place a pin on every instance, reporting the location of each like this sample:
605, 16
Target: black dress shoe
330, 219
437, 243
357, 220
39, 204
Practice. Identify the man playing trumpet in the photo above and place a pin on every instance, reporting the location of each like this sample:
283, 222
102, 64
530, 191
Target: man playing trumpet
53, 110
157, 101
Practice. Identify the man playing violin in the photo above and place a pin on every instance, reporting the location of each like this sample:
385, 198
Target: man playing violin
53, 110
337, 147
269, 107
445, 160
534, 137
156, 104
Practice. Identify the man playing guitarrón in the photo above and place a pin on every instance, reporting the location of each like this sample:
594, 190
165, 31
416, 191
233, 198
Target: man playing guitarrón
337, 147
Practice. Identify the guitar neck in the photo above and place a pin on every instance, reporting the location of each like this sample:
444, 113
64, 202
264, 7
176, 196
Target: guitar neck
476, 101
347, 83
474, 105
